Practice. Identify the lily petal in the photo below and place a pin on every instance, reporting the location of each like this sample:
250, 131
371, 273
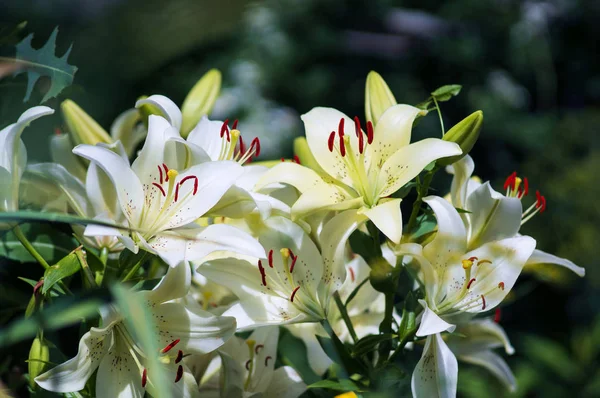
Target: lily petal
175, 284
206, 135
318, 360
269, 311
300, 177
325, 197
387, 217
481, 335
168, 108
125, 128
540, 257
61, 152
495, 364
223, 238
72, 375
409, 161
286, 383
462, 170
152, 153
493, 216
431, 323
436, 373
118, 375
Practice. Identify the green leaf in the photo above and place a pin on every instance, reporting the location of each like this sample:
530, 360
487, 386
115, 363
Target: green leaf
425, 225
36, 216
51, 244
44, 62
292, 352
65, 311
368, 343
553, 356
66, 267
339, 385
424, 105
444, 93
364, 245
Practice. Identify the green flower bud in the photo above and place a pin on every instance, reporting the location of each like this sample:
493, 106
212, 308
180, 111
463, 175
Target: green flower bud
83, 129
382, 275
200, 100
378, 97
305, 156
39, 355
465, 134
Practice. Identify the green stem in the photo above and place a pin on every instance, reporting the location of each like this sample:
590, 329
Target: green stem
86, 269
355, 291
338, 346
345, 316
29, 247
386, 327
135, 268
104, 255
437, 106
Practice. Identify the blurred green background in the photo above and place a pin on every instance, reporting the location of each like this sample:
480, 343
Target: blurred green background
531, 66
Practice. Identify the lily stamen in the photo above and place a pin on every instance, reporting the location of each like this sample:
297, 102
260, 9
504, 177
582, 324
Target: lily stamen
179, 374
294, 294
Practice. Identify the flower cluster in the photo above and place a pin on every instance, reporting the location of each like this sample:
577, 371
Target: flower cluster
315, 248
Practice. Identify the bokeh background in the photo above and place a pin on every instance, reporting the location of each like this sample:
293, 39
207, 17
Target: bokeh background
531, 66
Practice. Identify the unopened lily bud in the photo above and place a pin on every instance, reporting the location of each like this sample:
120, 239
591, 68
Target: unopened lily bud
39, 355
305, 156
378, 97
83, 129
465, 133
200, 100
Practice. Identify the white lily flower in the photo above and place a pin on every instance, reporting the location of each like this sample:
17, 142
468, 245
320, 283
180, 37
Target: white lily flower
120, 361
366, 311
248, 369
459, 283
13, 157
160, 203
495, 216
436, 373
362, 169
294, 285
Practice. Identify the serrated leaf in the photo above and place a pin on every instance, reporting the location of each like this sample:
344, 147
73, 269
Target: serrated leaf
66, 267
340, 385
51, 245
44, 62
444, 93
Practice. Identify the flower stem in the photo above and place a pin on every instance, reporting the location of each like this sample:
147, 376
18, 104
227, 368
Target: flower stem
345, 316
29, 247
135, 268
439, 111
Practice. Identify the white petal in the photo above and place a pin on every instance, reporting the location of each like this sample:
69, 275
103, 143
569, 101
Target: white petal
127, 184
495, 280
317, 358
367, 298
479, 335
540, 257
269, 311
414, 251
431, 323
72, 375
125, 128
392, 132
451, 238
207, 135
168, 108
300, 177
436, 374
325, 197
493, 216
171, 248
495, 364
387, 217
286, 383
334, 238
61, 152
119, 375
262, 374
462, 171
102, 193
319, 123
199, 332
409, 161
6, 202
175, 284
152, 154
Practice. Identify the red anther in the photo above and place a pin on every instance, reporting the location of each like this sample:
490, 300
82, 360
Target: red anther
258, 348
520, 194
179, 374
352, 276
342, 146
511, 180
248, 364
356, 126
294, 294
296, 159
538, 199
497, 315
330, 141
473, 258
263, 275
234, 124
57, 131
501, 285
161, 188
543, 204
170, 346
255, 144
470, 283
166, 171
161, 174
282, 159
179, 356
369, 132
224, 128
176, 193
359, 135
242, 146
294, 258
195, 182
483, 300
267, 360
144, 377
270, 257
525, 186
341, 128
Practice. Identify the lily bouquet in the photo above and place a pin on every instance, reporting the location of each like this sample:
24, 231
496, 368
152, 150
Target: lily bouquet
194, 269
